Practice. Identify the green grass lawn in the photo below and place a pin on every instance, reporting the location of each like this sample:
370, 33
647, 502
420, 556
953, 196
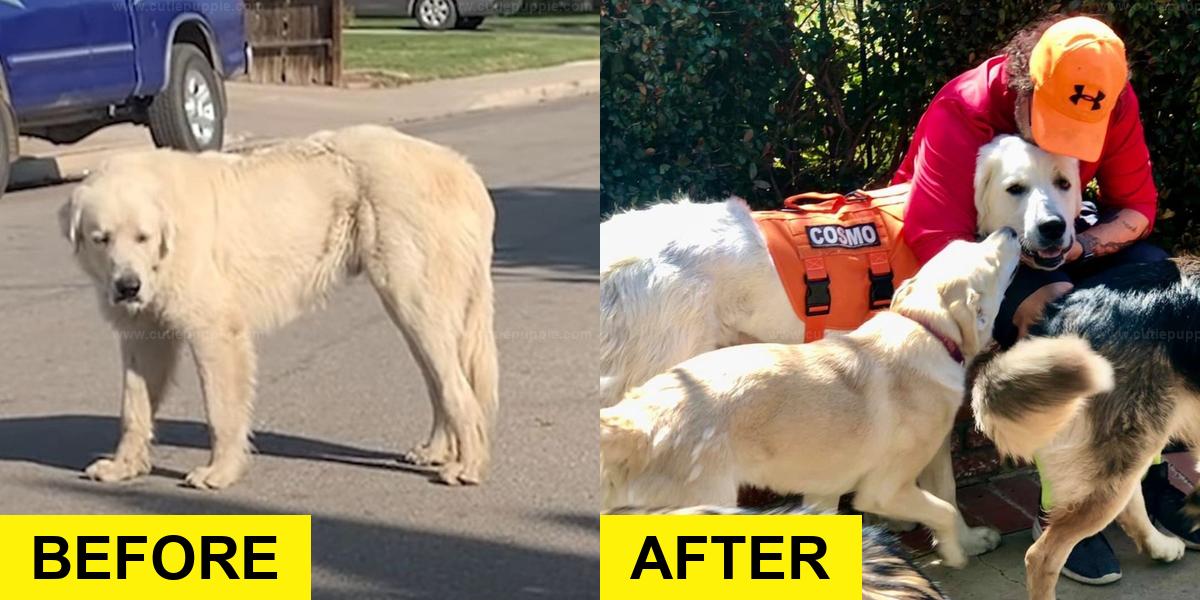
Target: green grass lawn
394, 54
585, 24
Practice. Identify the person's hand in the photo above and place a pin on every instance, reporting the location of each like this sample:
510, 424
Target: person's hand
1075, 252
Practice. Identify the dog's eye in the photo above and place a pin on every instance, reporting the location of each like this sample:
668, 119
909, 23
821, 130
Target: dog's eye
100, 238
1016, 189
1062, 183
141, 238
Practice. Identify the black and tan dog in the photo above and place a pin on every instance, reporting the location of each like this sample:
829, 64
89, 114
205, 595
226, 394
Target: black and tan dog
1144, 322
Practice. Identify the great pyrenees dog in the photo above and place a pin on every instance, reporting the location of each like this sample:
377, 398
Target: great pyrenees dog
209, 250
681, 278
862, 412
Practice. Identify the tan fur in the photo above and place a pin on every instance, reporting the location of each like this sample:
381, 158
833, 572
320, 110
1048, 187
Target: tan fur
226, 246
849, 413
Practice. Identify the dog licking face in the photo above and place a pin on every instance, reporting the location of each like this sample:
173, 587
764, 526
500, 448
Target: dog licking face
963, 285
1036, 193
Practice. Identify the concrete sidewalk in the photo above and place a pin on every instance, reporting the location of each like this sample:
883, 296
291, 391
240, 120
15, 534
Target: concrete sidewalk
260, 113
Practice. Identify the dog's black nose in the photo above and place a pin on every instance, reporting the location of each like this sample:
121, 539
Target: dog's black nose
1052, 228
127, 286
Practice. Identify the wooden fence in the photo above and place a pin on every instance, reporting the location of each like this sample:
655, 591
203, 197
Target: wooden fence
296, 42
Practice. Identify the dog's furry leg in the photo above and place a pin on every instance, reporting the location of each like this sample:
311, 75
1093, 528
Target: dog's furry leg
149, 355
459, 440
1149, 540
225, 361
913, 503
1068, 525
938, 478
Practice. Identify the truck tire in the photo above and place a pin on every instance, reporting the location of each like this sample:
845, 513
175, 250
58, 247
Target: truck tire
8, 128
190, 113
435, 14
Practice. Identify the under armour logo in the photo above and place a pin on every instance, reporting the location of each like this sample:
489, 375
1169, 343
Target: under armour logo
1079, 95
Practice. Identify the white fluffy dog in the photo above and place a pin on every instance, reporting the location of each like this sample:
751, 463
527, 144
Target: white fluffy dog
208, 250
681, 278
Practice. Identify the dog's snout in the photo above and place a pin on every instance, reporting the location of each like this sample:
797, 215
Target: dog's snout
127, 286
1052, 228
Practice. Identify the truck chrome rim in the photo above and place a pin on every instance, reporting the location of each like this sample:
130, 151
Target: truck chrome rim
199, 108
435, 12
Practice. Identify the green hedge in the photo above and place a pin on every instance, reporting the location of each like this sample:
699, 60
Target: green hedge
766, 99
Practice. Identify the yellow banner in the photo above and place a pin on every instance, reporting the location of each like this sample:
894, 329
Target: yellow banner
156, 556
730, 556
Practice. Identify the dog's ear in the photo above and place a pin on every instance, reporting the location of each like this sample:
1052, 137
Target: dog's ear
69, 216
964, 307
985, 170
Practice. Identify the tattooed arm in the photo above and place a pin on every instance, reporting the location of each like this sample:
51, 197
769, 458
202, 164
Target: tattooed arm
1112, 234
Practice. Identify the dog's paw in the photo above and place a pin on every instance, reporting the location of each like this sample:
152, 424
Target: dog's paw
952, 556
896, 526
980, 540
213, 477
425, 456
110, 470
1166, 548
458, 474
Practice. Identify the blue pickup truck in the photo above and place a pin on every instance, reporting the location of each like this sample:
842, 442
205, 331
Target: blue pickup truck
70, 67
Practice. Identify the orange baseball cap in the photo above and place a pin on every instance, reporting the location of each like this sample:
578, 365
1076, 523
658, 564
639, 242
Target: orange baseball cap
1078, 70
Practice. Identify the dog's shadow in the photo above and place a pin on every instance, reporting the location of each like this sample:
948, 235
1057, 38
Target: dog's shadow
72, 441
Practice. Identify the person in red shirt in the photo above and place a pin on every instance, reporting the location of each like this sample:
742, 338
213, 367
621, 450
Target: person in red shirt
1033, 90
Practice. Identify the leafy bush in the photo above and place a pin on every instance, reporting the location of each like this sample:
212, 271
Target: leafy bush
766, 99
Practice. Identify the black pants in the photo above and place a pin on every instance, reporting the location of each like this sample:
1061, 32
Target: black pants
1029, 280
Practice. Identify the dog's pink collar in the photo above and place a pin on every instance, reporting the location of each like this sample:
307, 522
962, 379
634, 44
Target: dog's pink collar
950, 345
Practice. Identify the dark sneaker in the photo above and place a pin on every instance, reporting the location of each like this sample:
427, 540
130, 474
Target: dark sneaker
1092, 560
1164, 504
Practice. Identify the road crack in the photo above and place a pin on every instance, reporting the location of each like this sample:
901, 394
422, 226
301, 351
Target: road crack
999, 571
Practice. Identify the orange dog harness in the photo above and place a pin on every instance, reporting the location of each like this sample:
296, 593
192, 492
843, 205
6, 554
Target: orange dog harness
840, 257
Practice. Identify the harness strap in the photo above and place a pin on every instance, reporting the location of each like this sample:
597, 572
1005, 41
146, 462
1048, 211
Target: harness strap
880, 294
817, 301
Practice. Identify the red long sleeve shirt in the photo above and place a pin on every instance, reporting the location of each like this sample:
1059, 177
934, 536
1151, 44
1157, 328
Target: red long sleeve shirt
965, 115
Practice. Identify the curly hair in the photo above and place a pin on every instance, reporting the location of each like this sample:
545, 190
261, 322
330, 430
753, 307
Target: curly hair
1019, 49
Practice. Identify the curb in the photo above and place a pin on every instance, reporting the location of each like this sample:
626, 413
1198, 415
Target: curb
52, 169
69, 166
537, 94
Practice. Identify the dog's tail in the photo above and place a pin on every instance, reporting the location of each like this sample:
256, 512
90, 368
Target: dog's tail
1024, 396
624, 451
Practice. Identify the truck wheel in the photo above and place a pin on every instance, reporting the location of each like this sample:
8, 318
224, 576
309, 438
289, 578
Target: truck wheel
8, 128
190, 113
435, 14
468, 23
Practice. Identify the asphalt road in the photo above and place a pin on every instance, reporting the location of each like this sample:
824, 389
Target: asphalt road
339, 396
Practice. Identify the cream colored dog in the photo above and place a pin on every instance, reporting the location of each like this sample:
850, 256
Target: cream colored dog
681, 278
863, 412
208, 250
